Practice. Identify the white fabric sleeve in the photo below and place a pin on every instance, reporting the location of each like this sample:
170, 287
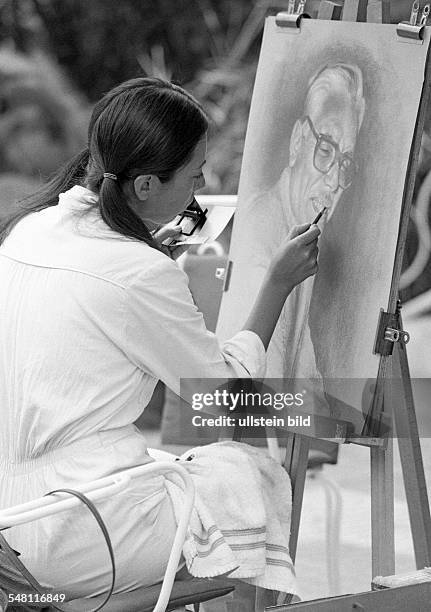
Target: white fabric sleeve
166, 335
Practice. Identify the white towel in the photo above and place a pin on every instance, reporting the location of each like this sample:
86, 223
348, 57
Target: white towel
241, 521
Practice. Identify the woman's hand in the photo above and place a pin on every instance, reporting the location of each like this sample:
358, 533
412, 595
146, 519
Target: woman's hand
294, 261
296, 258
170, 230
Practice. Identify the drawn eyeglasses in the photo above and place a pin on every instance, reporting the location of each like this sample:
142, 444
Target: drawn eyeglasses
327, 153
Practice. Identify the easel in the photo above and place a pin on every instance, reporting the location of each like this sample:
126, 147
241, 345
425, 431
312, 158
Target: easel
390, 344
393, 364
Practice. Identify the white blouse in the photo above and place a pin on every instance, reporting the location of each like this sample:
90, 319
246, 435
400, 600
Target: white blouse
89, 321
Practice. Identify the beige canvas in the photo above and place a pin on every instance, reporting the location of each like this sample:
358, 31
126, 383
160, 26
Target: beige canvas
331, 125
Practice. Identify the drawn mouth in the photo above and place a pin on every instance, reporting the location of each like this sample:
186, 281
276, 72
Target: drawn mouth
321, 201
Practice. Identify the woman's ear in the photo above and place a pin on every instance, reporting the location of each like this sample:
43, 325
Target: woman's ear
295, 143
145, 185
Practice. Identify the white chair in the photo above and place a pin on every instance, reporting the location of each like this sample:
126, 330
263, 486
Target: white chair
154, 599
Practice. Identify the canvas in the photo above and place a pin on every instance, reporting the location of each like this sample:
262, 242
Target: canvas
331, 125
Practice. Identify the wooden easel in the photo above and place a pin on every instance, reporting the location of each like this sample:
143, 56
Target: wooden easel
393, 363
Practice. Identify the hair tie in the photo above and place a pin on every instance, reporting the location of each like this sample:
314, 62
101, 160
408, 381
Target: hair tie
109, 175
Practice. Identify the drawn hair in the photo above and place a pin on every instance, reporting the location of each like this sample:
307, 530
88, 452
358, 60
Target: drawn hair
142, 126
352, 76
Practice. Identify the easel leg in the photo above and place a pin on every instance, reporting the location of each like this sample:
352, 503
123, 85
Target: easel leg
382, 510
411, 460
296, 465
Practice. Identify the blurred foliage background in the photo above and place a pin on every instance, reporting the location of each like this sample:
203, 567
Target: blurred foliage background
58, 56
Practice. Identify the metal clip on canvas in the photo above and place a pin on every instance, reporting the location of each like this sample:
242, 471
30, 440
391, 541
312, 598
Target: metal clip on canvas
412, 31
292, 19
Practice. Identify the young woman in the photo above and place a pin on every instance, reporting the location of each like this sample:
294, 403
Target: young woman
92, 314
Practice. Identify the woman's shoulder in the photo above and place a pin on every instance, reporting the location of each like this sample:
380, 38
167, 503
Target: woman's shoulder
53, 239
159, 270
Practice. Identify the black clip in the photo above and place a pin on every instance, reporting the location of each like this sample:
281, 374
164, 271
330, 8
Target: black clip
192, 218
389, 332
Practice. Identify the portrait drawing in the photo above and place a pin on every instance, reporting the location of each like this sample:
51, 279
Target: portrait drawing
327, 131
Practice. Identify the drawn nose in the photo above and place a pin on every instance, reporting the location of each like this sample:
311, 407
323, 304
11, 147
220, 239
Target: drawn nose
332, 177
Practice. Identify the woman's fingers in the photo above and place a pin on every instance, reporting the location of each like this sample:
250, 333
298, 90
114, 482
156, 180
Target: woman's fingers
309, 235
297, 230
169, 230
314, 251
296, 259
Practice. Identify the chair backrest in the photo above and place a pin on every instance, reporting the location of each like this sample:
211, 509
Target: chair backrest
10, 579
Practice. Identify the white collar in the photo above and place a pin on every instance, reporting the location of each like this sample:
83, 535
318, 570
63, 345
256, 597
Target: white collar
77, 197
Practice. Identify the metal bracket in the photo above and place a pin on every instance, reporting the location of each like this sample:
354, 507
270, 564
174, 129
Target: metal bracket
290, 20
220, 273
388, 333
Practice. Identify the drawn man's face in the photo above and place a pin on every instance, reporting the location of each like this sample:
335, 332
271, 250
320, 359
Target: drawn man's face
321, 155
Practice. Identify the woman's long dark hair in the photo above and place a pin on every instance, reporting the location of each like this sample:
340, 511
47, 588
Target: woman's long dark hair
143, 126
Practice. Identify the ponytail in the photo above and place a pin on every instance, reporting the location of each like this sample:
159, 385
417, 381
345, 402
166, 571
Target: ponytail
143, 126
116, 212
69, 175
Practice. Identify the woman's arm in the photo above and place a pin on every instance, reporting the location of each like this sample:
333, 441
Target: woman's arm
295, 260
165, 334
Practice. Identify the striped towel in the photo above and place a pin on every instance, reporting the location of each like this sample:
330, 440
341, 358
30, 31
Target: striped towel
241, 521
